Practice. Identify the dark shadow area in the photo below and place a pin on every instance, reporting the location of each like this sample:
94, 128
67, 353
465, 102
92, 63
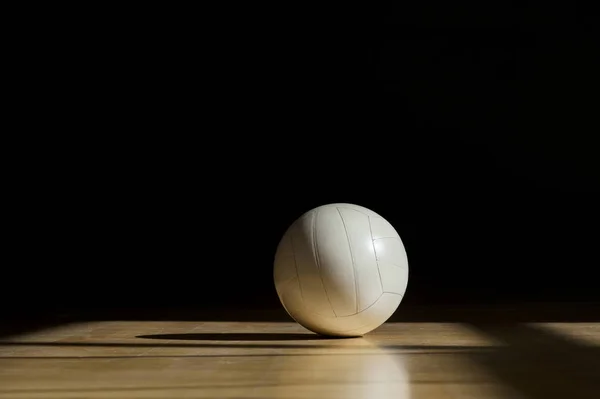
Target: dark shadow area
11, 326
483, 133
539, 363
509, 313
516, 312
236, 337
222, 345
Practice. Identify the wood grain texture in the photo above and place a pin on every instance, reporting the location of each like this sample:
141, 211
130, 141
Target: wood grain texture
189, 359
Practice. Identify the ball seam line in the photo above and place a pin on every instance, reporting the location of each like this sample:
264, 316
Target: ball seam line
375, 253
357, 298
315, 244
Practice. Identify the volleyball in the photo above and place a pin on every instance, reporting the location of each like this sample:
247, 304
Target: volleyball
341, 270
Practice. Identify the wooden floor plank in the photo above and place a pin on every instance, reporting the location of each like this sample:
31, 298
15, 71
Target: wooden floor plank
170, 359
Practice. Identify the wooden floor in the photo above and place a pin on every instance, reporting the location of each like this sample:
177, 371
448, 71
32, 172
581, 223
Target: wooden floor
400, 360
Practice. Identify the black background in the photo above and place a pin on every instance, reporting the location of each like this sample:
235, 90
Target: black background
175, 147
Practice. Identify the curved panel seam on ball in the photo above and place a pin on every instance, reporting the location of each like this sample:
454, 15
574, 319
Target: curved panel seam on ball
375, 252
315, 244
365, 309
356, 210
352, 209
296, 267
363, 326
405, 267
354, 314
357, 300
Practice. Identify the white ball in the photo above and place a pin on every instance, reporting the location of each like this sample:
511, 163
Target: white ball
341, 270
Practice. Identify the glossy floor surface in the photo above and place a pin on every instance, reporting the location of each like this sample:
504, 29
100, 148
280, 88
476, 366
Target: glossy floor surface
400, 360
